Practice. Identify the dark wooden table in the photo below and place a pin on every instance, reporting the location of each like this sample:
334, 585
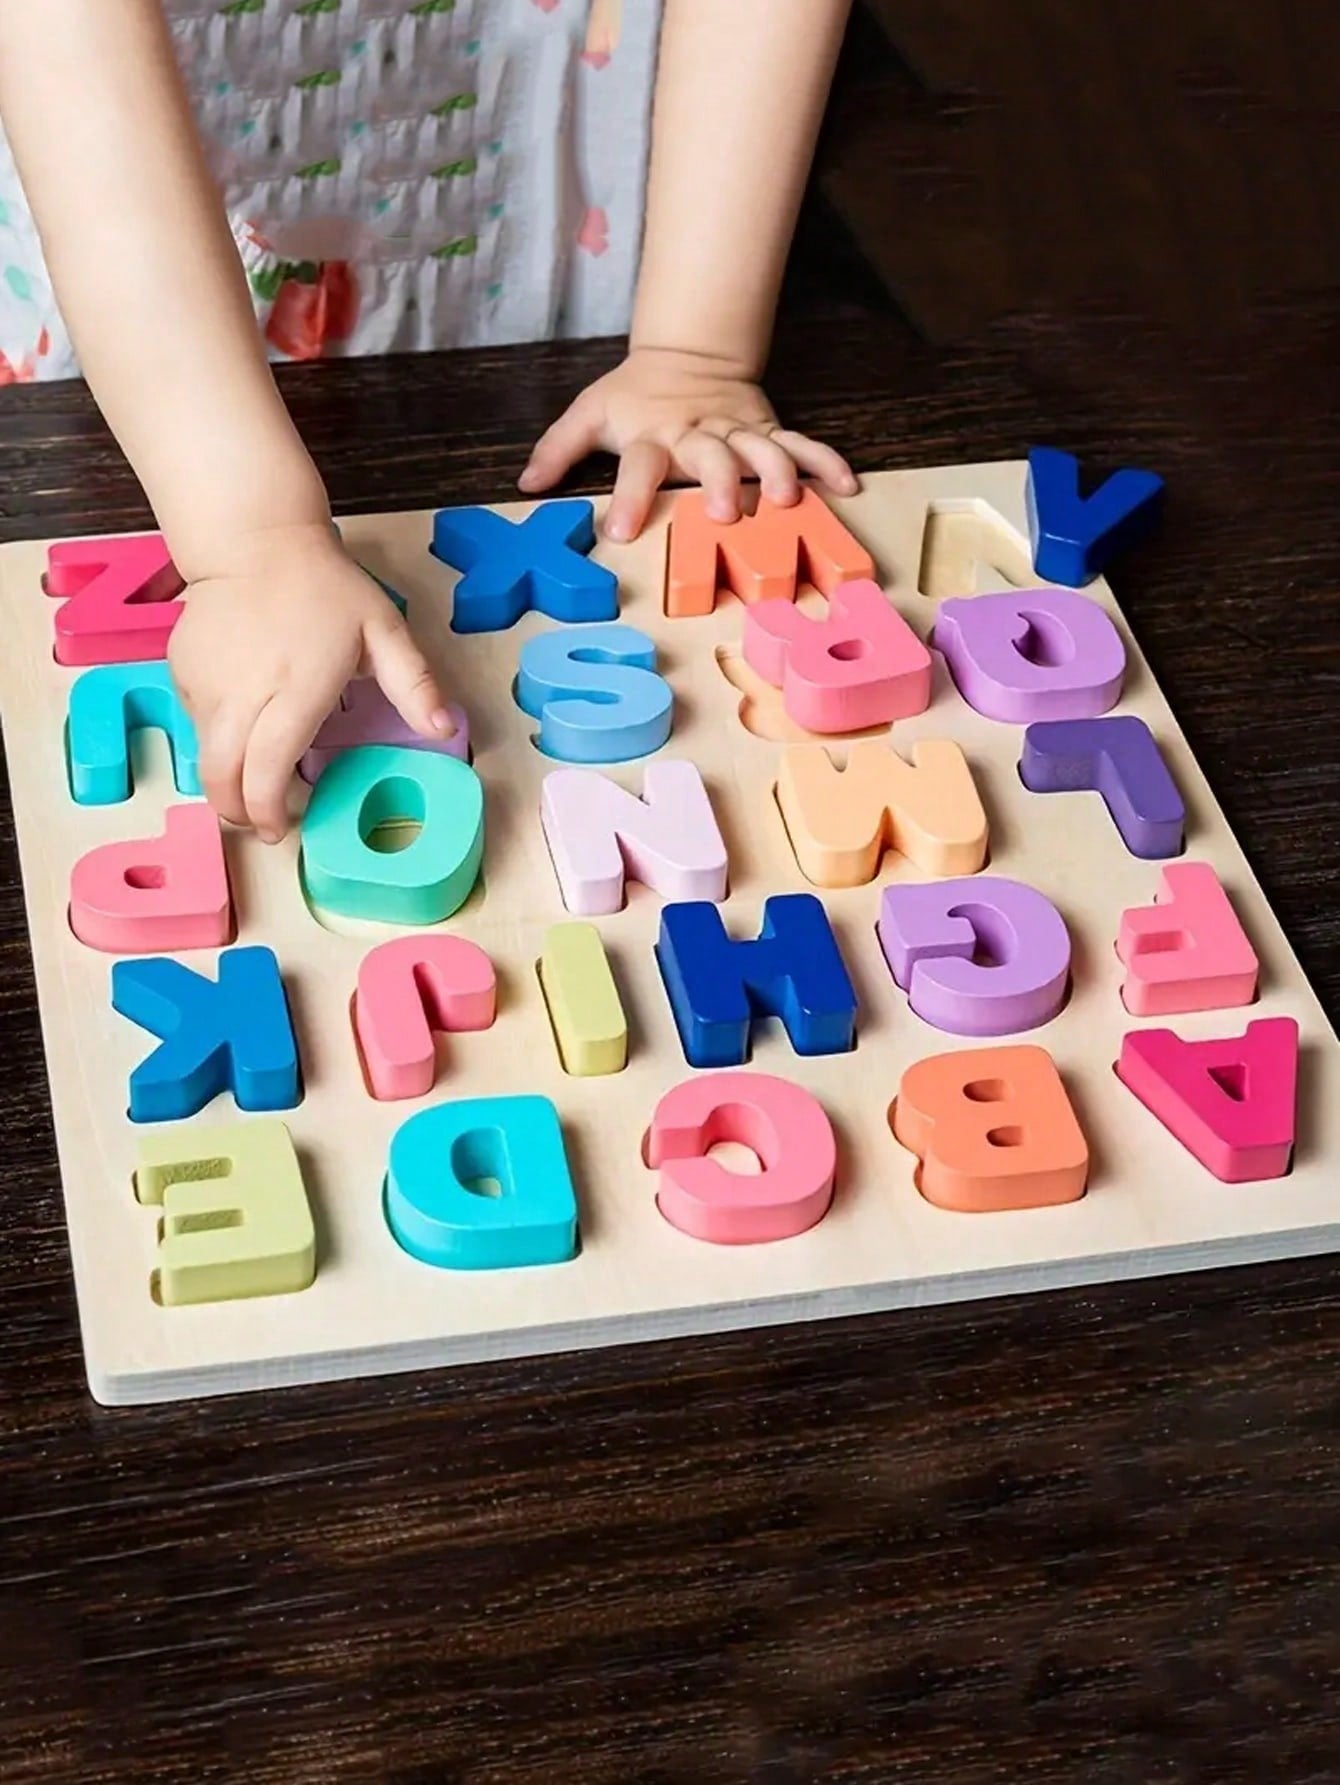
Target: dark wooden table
1080, 1537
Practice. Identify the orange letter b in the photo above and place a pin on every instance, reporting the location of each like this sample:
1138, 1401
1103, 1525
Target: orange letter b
993, 1129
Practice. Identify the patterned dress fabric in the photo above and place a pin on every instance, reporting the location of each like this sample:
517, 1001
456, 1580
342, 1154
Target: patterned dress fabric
398, 175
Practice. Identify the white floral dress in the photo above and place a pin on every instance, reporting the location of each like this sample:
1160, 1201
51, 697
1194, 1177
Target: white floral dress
401, 174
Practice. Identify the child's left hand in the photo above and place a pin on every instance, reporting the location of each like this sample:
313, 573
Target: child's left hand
684, 415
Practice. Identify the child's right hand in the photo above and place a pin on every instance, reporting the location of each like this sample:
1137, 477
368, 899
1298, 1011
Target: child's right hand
275, 627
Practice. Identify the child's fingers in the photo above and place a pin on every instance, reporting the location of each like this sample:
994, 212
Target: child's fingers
708, 459
642, 471
771, 464
405, 679
284, 727
223, 748
573, 435
819, 460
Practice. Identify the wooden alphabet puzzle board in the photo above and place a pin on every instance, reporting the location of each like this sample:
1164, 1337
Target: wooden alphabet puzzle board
1150, 1206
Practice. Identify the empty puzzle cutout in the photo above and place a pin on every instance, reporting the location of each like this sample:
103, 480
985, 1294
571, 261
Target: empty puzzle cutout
967, 548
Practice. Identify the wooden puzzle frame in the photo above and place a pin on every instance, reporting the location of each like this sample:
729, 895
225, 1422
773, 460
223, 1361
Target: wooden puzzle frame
1150, 1206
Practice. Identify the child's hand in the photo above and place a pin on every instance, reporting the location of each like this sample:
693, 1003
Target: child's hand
686, 415
272, 632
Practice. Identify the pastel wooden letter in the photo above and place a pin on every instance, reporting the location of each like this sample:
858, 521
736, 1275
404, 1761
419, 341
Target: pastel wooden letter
362, 795
993, 1129
106, 705
1119, 758
157, 894
596, 693
598, 834
116, 597
443, 1163
781, 1123
1232, 1102
841, 821
590, 1029
511, 567
365, 716
236, 1219
1032, 654
1074, 538
861, 665
407, 989
976, 957
793, 970
230, 1034
1187, 951
768, 554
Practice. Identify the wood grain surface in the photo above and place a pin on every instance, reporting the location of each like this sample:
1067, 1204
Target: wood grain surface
1081, 1537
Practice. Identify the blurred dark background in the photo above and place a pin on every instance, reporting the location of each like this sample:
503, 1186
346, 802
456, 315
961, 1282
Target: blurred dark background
1177, 159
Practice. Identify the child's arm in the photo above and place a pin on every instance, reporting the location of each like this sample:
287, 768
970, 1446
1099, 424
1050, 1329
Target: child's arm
739, 98
152, 289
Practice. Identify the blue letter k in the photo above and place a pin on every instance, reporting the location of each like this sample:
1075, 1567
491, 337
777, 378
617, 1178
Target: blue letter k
233, 1034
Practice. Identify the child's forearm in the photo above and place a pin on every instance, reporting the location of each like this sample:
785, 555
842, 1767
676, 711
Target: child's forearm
146, 272
739, 98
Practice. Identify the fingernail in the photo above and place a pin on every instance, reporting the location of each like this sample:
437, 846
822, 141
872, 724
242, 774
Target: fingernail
269, 836
442, 721
526, 480
850, 484
618, 528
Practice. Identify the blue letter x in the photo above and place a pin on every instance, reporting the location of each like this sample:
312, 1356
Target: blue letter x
509, 568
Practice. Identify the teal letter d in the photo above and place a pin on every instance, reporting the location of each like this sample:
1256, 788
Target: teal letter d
445, 1164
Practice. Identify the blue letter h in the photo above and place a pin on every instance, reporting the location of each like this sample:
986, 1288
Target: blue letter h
793, 971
